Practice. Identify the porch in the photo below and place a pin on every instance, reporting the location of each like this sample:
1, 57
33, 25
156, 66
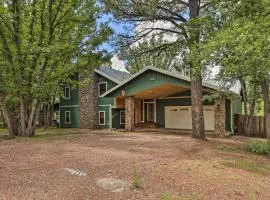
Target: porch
166, 108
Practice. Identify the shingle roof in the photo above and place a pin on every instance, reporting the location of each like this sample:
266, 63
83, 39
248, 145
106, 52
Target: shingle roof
117, 75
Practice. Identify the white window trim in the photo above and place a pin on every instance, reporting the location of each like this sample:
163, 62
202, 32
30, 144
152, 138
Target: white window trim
104, 117
99, 87
66, 117
68, 92
122, 111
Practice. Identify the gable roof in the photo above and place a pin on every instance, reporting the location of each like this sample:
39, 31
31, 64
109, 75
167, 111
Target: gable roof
173, 74
113, 74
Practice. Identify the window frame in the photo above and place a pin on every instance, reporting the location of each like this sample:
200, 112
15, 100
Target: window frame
122, 111
99, 87
104, 118
65, 97
69, 112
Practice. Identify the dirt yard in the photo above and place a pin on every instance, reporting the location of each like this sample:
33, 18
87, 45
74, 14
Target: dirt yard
101, 165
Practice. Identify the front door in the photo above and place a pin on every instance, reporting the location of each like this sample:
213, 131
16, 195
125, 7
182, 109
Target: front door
150, 112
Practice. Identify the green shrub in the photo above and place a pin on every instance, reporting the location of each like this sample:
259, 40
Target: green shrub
262, 148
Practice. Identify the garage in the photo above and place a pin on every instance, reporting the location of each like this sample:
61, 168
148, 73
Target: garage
179, 117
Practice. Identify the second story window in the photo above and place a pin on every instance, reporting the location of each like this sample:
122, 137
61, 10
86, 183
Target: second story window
102, 87
67, 92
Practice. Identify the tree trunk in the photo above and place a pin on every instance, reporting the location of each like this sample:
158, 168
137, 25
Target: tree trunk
244, 93
197, 108
266, 106
245, 100
265, 93
22, 117
30, 130
196, 77
11, 120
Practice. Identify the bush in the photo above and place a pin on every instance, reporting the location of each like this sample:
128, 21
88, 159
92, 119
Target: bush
262, 148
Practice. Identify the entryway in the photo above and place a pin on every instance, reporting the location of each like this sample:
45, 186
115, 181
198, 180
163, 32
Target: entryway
149, 111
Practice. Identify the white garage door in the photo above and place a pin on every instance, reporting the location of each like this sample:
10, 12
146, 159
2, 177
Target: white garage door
179, 117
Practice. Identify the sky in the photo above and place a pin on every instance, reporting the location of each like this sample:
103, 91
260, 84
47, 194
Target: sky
118, 28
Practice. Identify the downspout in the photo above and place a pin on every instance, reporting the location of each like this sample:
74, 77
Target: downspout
110, 117
232, 129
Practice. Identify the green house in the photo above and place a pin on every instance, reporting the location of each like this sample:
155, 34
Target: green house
151, 98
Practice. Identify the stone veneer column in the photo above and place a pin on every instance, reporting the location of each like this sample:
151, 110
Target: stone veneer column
88, 102
129, 113
220, 116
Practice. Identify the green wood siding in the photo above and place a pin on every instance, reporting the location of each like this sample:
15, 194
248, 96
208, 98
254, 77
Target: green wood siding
106, 101
236, 107
146, 81
116, 119
110, 84
74, 115
107, 119
71, 105
73, 100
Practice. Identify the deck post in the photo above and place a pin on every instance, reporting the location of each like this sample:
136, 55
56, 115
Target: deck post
129, 114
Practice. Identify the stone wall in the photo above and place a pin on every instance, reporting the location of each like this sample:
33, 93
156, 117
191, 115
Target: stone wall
88, 102
220, 116
129, 113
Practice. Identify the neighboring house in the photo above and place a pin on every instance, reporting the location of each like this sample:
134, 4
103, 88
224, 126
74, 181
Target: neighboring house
150, 98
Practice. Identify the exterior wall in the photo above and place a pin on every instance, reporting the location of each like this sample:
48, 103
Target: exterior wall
110, 84
107, 117
148, 80
74, 98
88, 100
116, 119
161, 103
72, 105
91, 103
74, 117
236, 108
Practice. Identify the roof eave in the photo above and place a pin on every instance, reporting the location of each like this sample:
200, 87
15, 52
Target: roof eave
208, 85
106, 76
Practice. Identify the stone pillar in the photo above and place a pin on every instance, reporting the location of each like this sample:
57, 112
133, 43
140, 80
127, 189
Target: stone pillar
129, 113
88, 101
220, 116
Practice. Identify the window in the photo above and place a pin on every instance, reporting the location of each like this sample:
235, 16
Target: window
67, 92
122, 117
67, 117
101, 117
102, 88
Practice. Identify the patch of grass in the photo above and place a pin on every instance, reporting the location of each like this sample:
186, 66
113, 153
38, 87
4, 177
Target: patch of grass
166, 196
48, 134
223, 147
136, 179
261, 148
258, 168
